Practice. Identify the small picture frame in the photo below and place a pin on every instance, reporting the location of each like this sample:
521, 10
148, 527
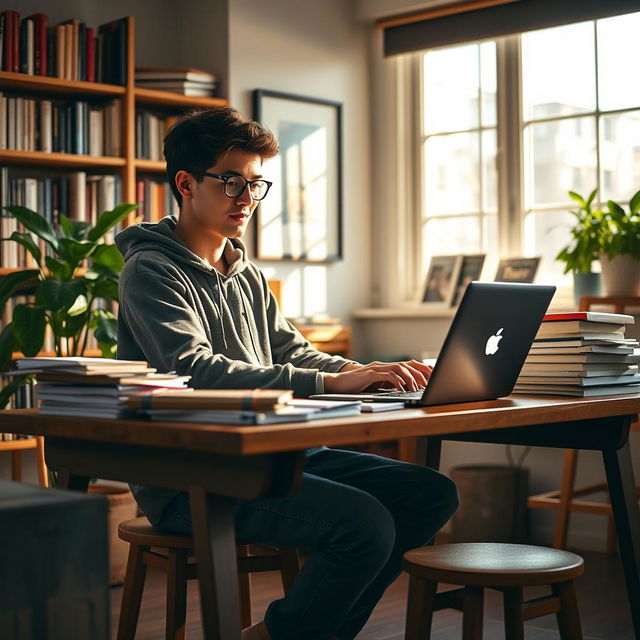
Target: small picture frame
470, 269
517, 269
441, 278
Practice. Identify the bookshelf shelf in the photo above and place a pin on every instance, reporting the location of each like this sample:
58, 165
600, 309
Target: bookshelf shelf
152, 97
15, 445
27, 82
150, 166
63, 160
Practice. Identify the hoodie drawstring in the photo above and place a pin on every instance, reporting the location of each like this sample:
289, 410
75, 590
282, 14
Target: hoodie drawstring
243, 297
219, 306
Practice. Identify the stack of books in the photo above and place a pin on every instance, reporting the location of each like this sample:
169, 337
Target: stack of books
95, 387
184, 80
583, 354
238, 406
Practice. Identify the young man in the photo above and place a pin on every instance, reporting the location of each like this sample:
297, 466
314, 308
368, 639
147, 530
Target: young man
191, 302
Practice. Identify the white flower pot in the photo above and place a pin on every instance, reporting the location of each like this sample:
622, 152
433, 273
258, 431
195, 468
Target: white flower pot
620, 275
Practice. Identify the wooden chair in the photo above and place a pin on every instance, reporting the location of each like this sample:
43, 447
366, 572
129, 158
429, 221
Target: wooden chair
505, 567
569, 497
174, 555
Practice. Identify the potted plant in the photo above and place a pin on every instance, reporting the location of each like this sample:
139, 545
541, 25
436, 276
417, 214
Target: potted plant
620, 248
67, 298
584, 247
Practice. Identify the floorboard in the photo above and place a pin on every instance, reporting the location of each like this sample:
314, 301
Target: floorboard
601, 598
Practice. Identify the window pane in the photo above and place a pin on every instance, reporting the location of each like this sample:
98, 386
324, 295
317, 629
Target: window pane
620, 155
451, 235
452, 174
488, 83
617, 57
451, 86
559, 156
558, 72
489, 171
544, 235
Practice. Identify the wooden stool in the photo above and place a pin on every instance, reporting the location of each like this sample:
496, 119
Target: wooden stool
569, 497
174, 555
505, 567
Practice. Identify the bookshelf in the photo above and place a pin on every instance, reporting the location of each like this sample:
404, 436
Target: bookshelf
129, 98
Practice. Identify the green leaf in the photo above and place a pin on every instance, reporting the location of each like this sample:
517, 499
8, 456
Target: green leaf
59, 269
26, 240
60, 294
74, 229
71, 325
615, 209
74, 251
108, 350
578, 198
103, 288
34, 222
79, 306
10, 282
28, 328
108, 255
7, 346
634, 203
107, 328
592, 195
109, 219
11, 388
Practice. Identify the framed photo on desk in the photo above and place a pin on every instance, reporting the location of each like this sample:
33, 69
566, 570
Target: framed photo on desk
301, 219
441, 279
517, 269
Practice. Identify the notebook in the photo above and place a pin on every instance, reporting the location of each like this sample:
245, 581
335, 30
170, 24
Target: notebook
485, 348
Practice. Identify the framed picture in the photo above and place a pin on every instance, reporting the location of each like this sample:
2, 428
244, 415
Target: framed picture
441, 278
301, 218
517, 269
470, 270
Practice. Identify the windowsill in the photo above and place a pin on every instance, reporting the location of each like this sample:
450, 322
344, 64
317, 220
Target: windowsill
562, 303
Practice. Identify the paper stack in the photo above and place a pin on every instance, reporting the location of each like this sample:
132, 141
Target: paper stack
184, 80
95, 387
581, 354
238, 406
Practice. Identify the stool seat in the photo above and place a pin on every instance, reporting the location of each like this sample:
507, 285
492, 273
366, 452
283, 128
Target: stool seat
497, 564
141, 532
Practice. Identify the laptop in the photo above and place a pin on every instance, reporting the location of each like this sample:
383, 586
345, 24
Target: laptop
485, 348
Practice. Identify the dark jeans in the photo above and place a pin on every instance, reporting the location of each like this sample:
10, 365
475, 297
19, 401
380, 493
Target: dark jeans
356, 514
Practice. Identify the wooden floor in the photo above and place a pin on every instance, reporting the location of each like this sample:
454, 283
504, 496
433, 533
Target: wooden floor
601, 599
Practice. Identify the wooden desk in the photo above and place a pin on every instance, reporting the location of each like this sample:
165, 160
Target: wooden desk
215, 463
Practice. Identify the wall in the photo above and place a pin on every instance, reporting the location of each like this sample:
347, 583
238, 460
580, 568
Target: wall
313, 49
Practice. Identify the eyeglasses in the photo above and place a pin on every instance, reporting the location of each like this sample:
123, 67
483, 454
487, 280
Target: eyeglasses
234, 186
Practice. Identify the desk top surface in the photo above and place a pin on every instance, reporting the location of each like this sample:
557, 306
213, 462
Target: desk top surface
513, 411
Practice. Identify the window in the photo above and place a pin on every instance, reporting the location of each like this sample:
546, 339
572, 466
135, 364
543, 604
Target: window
576, 111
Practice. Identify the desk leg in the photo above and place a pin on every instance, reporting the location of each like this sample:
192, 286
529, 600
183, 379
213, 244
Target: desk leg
428, 452
624, 502
68, 480
215, 547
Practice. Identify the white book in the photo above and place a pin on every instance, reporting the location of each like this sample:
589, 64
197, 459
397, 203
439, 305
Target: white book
598, 358
587, 369
11, 123
19, 125
3, 121
577, 327
578, 380
46, 130
374, 407
78, 190
583, 341
596, 348
583, 392
96, 132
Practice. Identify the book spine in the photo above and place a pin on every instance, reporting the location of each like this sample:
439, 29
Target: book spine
22, 54
51, 52
90, 54
30, 47
15, 66
61, 50
45, 126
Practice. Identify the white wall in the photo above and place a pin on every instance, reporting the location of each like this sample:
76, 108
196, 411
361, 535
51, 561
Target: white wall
313, 49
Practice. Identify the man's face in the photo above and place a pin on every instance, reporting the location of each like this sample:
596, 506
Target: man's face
213, 210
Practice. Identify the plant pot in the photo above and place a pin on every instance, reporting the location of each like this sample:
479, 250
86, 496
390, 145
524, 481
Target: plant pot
493, 504
620, 275
122, 506
586, 284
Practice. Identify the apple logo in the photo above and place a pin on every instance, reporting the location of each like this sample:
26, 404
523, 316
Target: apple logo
492, 343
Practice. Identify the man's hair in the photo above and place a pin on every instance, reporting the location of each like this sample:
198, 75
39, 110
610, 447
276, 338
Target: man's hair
198, 139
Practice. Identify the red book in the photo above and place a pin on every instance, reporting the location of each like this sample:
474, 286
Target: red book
592, 316
9, 19
40, 23
15, 58
90, 55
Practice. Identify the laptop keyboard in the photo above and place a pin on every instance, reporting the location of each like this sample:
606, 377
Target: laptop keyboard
403, 395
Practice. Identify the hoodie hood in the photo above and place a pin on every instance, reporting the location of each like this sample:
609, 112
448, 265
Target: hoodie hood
160, 236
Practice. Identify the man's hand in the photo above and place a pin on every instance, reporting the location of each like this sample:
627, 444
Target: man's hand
410, 376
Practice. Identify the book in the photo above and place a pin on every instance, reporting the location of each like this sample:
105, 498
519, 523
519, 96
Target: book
185, 88
577, 380
587, 369
599, 358
582, 341
375, 407
297, 410
214, 399
164, 380
568, 327
81, 364
174, 73
584, 392
594, 348
592, 316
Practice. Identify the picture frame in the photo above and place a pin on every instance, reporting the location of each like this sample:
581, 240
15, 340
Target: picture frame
517, 269
470, 270
301, 218
442, 276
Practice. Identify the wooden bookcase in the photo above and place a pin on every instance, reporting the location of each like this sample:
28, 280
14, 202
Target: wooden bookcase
126, 166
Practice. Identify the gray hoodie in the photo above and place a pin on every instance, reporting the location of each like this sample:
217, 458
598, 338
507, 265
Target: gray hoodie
179, 314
